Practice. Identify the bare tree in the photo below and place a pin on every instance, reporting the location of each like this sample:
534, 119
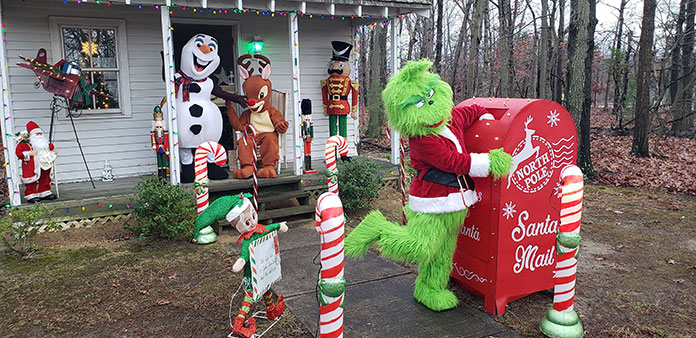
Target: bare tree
378, 79
505, 47
579, 77
480, 8
641, 130
558, 51
438, 36
544, 47
682, 113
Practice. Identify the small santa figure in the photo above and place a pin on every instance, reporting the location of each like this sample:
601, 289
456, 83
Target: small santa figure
37, 155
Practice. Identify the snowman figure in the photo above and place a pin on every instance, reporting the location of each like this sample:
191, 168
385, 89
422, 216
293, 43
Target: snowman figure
199, 119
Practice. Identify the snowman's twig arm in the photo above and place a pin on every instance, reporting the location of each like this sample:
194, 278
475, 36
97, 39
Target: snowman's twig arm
227, 96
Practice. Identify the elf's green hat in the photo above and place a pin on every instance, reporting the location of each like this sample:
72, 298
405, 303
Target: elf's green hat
220, 208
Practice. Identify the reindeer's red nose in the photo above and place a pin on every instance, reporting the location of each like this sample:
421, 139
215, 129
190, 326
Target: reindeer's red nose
252, 102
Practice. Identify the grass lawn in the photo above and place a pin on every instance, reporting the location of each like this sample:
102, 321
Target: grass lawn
143, 289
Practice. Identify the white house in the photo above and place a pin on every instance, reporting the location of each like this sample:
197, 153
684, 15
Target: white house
130, 36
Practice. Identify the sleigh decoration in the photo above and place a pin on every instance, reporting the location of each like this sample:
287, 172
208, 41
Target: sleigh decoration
62, 79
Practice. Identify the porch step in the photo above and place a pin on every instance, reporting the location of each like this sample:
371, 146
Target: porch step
272, 197
277, 215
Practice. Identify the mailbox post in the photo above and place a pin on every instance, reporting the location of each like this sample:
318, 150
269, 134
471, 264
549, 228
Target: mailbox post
506, 247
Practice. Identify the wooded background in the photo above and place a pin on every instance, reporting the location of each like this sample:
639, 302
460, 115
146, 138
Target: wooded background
640, 70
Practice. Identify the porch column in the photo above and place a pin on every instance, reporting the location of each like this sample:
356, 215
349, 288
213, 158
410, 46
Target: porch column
10, 165
296, 97
168, 47
395, 67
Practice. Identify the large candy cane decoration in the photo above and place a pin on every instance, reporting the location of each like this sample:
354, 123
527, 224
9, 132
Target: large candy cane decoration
201, 168
332, 285
332, 144
249, 130
561, 320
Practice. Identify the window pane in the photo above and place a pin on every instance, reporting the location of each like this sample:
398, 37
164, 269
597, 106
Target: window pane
76, 44
105, 51
107, 82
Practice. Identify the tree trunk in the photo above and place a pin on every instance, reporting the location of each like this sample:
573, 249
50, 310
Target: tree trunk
475, 40
676, 56
544, 88
641, 130
438, 37
378, 66
579, 78
683, 119
558, 79
624, 81
617, 68
505, 45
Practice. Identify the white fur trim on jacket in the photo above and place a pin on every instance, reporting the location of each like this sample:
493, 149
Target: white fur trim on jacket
480, 164
37, 170
438, 205
447, 133
486, 116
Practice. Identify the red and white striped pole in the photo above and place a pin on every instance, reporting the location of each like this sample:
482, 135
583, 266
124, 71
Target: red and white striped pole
201, 170
330, 223
249, 130
561, 320
334, 143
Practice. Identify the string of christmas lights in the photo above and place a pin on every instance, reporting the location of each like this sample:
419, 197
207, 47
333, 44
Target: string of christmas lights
262, 12
7, 121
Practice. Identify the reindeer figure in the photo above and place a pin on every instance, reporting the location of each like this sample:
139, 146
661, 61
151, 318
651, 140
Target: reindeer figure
266, 119
526, 152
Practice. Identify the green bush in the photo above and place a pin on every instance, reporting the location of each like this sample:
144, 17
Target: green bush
21, 224
162, 210
359, 182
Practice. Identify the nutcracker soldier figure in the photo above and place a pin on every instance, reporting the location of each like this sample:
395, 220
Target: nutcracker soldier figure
336, 88
307, 135
160, 143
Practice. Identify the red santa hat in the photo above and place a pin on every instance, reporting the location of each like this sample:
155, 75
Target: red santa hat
33, 128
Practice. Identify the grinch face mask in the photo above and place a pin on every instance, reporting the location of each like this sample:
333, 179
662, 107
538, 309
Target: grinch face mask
418, 102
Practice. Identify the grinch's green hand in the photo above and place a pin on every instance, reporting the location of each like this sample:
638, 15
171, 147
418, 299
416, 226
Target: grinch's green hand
501, 163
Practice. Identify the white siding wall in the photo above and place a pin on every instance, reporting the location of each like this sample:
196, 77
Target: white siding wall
125, 142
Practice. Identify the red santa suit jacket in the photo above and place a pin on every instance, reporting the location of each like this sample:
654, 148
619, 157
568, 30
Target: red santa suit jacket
31, 166
447, 153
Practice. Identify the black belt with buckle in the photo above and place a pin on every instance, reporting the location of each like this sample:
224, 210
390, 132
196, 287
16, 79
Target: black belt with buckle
447, 179
338, 97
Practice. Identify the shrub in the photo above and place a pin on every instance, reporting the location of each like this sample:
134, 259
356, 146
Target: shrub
359, 182
21, 224
162, 210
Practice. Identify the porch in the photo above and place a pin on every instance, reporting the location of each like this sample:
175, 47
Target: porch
297, 39
286, 197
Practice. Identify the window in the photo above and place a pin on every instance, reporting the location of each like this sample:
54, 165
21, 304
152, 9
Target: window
97, 46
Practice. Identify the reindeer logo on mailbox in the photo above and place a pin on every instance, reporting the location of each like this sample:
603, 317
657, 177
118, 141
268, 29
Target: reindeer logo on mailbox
506, 244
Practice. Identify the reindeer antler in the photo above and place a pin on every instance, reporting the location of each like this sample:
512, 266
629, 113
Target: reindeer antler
263, 61
245, 62
526, 123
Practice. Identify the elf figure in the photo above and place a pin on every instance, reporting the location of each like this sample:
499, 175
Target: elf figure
239, 211
336, 88
159, 138
419, 105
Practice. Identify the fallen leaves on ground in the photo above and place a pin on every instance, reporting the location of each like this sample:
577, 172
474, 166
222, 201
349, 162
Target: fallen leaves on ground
163, 302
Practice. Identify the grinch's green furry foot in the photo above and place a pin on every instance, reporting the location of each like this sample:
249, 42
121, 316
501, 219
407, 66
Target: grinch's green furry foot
358, 241
435, 299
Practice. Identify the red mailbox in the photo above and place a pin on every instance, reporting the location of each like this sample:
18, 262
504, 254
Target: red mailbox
505, 249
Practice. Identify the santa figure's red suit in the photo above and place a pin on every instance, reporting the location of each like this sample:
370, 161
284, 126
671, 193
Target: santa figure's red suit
37, 180
442, 154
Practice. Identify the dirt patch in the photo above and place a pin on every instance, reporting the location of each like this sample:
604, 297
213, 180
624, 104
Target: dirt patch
100, 281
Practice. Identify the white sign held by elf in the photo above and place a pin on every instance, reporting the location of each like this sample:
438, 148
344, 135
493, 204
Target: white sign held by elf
264, 257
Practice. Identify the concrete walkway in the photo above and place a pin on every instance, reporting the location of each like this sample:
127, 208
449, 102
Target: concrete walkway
379, 296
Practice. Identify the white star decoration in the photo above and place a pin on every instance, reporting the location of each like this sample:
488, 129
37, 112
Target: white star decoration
553, 118
224, 77
509, 210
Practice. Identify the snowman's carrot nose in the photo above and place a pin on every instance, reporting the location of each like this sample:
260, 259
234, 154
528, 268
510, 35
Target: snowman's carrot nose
205, 49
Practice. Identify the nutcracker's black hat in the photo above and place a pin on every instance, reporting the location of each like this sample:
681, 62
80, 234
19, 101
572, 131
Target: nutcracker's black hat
341, 50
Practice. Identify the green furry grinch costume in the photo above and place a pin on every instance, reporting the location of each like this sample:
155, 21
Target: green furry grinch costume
419, 105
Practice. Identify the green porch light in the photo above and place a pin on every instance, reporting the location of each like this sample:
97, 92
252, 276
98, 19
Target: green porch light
256, 45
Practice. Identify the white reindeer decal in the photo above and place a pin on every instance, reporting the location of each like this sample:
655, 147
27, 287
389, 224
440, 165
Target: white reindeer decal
526, 152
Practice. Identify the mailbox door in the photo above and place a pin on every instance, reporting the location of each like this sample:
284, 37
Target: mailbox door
542, 140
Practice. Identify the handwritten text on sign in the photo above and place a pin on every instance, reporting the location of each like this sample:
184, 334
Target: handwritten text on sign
265, 263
